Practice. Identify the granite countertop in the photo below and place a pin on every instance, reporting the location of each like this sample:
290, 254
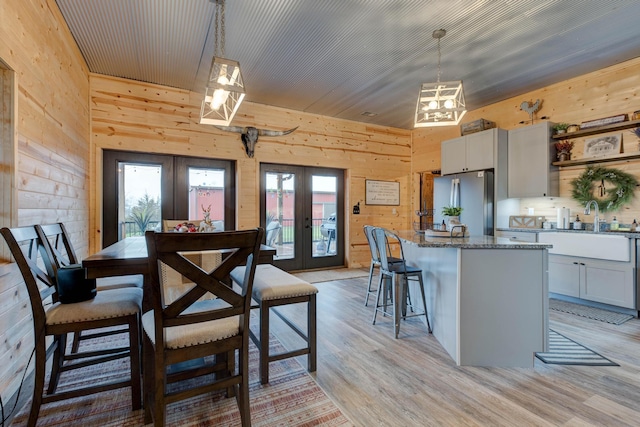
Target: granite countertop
629, 234
471, 242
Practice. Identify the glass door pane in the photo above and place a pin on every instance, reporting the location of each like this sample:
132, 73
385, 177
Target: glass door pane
140, 198
280, 220
324, 202
206, 197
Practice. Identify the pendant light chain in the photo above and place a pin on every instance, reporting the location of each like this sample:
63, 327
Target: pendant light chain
439, 69
219, 29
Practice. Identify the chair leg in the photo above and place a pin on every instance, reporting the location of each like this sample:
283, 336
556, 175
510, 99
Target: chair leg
134, 356
369, 291
159, 387
76, 342
230, 360
148, 380
57, 362
424, 302
397, 289
311, 333
38, 387
264, 341
243, 389
378, 295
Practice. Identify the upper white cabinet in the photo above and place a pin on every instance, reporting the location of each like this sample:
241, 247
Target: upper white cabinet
531, 152
474, 152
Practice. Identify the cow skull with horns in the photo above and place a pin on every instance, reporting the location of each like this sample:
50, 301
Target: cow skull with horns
249, 135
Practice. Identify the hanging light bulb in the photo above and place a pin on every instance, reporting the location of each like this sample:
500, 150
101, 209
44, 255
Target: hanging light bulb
440, 103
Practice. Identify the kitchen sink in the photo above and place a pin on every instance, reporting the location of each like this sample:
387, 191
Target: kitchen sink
588, 245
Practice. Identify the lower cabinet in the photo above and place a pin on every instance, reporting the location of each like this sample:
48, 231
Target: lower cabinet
608, 282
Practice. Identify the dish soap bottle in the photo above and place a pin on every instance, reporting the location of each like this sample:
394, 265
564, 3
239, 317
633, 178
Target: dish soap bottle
577, 225
634, 225
614, 224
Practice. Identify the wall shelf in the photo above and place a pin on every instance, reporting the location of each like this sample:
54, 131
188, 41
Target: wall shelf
596, 130
614, 158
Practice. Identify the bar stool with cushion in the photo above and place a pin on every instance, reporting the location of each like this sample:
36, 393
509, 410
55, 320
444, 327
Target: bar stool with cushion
52, 321
375, 260
191, 328
399, 274
274, 288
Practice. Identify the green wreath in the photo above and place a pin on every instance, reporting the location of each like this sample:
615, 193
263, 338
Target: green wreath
611, 199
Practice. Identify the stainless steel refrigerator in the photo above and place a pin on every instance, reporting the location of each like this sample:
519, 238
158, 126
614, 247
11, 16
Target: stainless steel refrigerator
474, 192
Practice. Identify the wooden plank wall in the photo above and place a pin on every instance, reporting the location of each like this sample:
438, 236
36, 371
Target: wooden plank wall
135, 116
51, 113
603, 93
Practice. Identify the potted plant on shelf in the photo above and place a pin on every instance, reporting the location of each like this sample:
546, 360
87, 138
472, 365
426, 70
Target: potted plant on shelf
453, 214
563, 150
560, 128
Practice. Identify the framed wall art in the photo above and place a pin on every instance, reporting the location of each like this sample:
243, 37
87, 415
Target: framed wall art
603, 145
382, 193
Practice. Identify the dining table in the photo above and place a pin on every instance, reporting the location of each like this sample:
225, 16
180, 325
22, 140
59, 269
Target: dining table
129, 256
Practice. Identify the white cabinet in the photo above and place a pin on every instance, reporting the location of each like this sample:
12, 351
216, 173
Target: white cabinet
474, 152
608, 282
531, 152
518, 236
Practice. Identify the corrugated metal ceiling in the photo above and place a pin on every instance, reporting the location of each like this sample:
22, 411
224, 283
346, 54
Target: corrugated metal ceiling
341, 58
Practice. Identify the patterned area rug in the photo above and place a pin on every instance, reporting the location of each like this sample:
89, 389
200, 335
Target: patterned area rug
334, 274
564, 351
292, 398
589, 312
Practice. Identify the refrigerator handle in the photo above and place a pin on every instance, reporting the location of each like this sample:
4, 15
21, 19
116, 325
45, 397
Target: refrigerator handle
455, 192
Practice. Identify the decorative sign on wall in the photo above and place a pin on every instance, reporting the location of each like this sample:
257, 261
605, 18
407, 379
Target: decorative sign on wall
602, 146
382, 193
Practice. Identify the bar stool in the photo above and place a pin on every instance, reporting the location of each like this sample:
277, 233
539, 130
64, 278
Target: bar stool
375, 259
399, 273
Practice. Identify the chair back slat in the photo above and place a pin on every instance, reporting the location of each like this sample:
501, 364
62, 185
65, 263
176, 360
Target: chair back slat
60, 244
30, 253
368, 232
170, 249
381, 237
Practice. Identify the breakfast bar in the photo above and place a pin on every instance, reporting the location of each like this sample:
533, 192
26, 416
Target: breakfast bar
487, 296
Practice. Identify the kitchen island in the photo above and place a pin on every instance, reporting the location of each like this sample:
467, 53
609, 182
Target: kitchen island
487, 296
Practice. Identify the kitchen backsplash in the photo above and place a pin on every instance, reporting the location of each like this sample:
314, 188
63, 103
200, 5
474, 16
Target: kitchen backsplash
547, 207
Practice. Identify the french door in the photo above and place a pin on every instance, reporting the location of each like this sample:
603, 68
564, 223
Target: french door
141, 190
302, 211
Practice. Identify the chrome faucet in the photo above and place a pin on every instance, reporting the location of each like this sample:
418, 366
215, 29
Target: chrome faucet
596, 217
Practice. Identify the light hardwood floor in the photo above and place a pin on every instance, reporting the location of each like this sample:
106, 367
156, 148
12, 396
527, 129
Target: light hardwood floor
411, 381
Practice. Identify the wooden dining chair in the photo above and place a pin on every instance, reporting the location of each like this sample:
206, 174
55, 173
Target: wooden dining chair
53, 321
192, 328
64, 254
